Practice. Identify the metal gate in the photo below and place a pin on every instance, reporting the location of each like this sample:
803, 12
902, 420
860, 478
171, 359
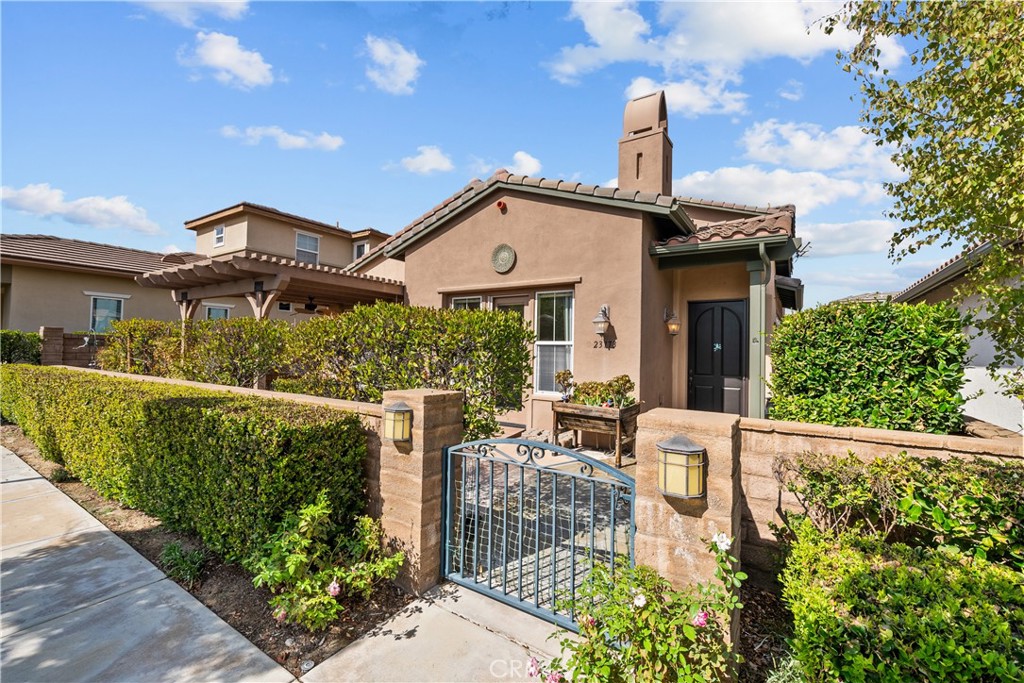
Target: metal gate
525, 521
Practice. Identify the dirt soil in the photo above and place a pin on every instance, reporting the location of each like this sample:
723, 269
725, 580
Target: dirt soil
224, 588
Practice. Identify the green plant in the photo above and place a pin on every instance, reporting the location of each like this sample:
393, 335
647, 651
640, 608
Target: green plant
308, 564
20, 347
182, 565
224, 466
144, 347
787, 671
615, 393
865, 609
635, 627
61, 475
238, 351
885, 365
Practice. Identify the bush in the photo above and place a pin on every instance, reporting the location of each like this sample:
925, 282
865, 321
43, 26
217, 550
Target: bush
20, 347
182, 565
974, 505
363, 353
885, 365
223, 466
615, 393
634, 627
143, 347
309, 563
867, 610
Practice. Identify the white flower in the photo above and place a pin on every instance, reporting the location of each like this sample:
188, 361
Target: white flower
640, 600
722, 541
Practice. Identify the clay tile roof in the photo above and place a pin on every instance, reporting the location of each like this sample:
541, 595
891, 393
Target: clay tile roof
781, 222
271, 210
696, 201
93, 256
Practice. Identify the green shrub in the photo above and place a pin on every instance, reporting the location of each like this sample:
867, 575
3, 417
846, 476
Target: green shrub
615, 393
865, 610
974, 505
223, 466
363, 353
310, 562
182, 565
144, 347
20, 347
885, 365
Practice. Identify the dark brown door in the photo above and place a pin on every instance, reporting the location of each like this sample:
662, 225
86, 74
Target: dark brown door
718, 356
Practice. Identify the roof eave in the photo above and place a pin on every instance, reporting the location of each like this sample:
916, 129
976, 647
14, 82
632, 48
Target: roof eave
944, 275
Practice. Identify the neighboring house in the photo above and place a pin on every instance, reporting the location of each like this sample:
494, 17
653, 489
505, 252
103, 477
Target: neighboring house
989, 404
569, 256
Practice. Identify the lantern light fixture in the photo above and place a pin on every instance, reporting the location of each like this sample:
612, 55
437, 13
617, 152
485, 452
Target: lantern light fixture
398, 422
682, 468
601, 321
672, 322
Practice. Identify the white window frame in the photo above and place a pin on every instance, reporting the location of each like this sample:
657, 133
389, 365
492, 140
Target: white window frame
316, 254
93, 296
478, 299
218, 236
221, 307
538, 343
355, 249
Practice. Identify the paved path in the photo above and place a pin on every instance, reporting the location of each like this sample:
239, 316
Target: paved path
79, 604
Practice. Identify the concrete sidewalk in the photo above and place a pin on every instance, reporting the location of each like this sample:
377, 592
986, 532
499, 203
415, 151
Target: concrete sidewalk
452, 634
79, 604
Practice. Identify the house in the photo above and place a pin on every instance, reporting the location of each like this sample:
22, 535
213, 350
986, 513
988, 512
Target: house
986, 402
687, 289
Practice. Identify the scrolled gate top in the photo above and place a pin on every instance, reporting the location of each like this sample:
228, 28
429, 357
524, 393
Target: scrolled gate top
532, 452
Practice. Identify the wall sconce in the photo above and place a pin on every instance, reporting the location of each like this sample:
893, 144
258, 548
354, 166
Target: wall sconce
682, 468
672, 322
601, 321
398, 422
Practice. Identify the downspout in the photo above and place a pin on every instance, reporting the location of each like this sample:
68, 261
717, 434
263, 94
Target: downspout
758, 294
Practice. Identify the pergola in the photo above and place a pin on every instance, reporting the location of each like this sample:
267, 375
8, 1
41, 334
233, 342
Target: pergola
265, 279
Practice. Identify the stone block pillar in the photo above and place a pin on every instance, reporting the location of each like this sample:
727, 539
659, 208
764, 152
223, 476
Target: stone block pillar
53, 345
410, 482
669, 531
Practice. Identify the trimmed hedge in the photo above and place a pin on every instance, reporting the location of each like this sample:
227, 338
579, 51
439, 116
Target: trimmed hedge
227, 467
884, 365
20, 347
865, 610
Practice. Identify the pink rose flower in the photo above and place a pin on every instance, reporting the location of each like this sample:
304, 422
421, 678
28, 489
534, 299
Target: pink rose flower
533, 669
554, 677
701, 620
334, 589
280, 615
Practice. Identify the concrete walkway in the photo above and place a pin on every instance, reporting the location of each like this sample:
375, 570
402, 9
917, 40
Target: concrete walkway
79, 604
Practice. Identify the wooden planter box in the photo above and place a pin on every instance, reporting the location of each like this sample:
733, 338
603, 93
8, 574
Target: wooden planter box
621, 422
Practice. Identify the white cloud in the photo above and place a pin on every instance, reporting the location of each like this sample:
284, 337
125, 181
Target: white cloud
187, 13
429, 160
693, 97
524, 164
793, 91
99, 212
753, 185
171, 249
617, 33
846, 149
395, 68
231, 63
844, 239
253, 135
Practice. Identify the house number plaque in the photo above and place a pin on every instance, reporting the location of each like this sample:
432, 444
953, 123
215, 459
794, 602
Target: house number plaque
503, 258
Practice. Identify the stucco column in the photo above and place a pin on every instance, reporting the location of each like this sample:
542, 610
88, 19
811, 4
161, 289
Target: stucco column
672, 533
410, 482
53, 346
756, 354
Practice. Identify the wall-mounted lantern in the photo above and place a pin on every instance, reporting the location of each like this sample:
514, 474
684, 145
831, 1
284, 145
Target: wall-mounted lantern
682, 468
601, 321
672, 322
398, 422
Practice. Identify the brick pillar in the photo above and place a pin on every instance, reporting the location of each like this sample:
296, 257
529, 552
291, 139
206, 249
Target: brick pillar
53, 345
669, 530
410, 482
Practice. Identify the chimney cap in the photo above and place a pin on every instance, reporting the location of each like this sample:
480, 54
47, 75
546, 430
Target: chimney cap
644, 114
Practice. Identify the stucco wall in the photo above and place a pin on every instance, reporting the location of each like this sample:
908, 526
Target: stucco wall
235, 237
276, 237
389, 268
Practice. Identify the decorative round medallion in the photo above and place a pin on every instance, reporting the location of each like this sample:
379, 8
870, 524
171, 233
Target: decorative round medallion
503, 258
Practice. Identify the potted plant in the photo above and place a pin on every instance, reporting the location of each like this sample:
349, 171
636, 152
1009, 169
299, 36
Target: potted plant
602, 407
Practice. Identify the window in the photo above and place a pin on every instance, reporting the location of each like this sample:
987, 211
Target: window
218, 236
284, 306
466, 303
553, 350
217, 312
359, 250
105, 310
307, 248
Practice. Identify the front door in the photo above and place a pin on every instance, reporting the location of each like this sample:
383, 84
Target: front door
717, 356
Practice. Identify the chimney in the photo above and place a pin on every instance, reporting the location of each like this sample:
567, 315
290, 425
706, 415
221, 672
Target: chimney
645, 151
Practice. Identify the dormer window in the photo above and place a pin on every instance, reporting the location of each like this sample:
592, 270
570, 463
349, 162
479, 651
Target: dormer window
307, 248
359, 250
218, 236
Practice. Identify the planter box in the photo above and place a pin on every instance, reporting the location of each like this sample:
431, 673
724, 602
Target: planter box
621, 422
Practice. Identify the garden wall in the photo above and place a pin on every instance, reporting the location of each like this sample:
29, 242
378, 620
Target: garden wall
67, 348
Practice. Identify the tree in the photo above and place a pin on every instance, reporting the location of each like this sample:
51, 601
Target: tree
957, 125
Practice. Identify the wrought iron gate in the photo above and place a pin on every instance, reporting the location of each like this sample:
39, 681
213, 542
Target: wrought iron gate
525, 521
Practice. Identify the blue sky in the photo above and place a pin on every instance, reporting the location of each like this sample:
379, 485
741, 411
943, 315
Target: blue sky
123, 120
